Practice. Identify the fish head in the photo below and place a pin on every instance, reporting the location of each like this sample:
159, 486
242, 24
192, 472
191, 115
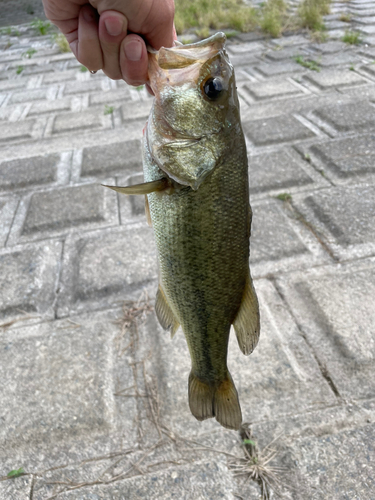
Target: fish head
195, 105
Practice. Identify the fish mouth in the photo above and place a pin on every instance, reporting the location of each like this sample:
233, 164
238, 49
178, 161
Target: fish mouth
190, 58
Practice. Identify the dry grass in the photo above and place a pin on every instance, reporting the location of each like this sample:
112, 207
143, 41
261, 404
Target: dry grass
273, 16
256, 465
204, 15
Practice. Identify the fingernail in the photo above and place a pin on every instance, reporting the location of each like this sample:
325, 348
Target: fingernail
88, 15
113, 26
133, 50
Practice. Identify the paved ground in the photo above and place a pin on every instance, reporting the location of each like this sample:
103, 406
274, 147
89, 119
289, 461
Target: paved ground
94, 393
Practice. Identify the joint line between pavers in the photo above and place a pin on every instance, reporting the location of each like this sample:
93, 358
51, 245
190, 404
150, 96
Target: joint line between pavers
311, 228
323, 369
12, 222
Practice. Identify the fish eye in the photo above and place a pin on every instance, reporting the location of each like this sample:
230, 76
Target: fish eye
213, 88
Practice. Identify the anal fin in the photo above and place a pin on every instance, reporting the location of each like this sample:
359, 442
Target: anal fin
164, 313
247, 324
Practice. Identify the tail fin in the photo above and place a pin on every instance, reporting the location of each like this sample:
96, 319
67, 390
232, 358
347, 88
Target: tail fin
220, 402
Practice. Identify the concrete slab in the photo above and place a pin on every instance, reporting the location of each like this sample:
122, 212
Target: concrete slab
105, 268
333, 308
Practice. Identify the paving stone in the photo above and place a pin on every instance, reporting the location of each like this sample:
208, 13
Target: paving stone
344, 58
109, 97
369, 30
288, 41
363, 12
16, 130
347, 159
334, 25
365, 20
282, 54
279, 377
16, 489
343, 217
28, 279
123, 157
358, 116
278, 68
135, 110
276, 130
65, 207
239, 60
77, 87
76, 401
104, 268
369, 69
84, 120
6, 85
334, 309
329, 47
272, 88
331, 79
28, 171
59, 77
277, 242
363, 92
202, 481
276, 171
41, 107
325, 473
245, 48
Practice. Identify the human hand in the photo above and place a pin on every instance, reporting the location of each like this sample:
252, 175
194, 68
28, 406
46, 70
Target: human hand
105, 34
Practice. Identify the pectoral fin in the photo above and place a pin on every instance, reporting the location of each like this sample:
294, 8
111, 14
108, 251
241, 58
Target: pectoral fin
147, 212
144, 188
246, 324
164, 313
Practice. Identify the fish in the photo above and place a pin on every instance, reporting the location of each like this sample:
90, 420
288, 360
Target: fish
197, 200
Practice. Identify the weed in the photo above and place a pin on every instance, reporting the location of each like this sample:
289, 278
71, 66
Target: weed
345, 17
213, 14
16, 473
140, 87
6, 31
307, 157
29, 53
41, 27
10, 30
284, 197
319, 36
310, 13
62, 43
273, 17
352, 37
256, 464
310, 64
108, 110
231, 34
30, 10
351, 67
83, 69
19, 70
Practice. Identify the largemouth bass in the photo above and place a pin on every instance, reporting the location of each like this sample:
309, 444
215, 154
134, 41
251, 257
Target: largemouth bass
196, 182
